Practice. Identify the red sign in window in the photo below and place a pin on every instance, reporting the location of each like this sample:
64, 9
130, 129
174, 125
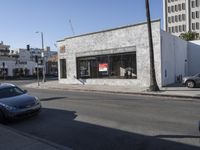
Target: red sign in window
103, 67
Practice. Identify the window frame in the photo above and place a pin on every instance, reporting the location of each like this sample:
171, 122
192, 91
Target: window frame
95, 73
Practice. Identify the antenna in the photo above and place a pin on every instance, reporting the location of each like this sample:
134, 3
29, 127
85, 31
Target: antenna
71, 26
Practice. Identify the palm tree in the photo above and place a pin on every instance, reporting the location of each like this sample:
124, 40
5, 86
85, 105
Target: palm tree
189, 36
153, 83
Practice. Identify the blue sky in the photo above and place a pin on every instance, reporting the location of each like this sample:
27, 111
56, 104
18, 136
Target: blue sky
20, 19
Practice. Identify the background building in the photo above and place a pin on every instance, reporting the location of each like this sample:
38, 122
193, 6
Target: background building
4, 49
22, 62
181, 16
5, 60
52, 65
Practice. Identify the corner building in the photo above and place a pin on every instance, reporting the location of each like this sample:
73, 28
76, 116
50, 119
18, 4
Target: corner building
120, 56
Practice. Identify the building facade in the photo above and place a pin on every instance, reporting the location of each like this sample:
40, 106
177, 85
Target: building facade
120, 56
52, 65
22, 62
181, 16
4, 49
6, 60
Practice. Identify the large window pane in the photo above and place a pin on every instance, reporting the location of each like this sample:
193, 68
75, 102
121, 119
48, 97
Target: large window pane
63, 70
115, 64
103, 66
120, 66
84, 69
129, 65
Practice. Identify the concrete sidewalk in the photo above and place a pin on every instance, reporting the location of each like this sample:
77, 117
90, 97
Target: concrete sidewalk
11, 139
178, 92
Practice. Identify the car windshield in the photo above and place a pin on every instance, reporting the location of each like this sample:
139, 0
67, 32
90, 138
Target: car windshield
197, 75
10, 92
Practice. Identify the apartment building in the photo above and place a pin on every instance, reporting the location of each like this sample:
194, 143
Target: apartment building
4, 49
181, 16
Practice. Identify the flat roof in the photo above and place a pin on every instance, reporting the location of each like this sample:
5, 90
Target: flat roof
126, 26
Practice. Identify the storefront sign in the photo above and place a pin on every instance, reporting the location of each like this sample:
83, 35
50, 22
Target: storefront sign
103, 67
62, 49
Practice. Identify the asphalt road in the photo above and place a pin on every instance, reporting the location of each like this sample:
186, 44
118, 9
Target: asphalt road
99, 121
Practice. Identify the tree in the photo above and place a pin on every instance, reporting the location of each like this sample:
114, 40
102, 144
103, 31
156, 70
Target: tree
189, 36
153, 82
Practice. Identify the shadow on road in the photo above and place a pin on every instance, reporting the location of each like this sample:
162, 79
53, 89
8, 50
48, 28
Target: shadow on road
52, 98
178, 136
60, 126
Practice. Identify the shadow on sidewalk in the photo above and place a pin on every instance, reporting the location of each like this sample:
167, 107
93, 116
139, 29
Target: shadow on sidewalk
179, 87
60, 126
181, 90
178, 136
175, 85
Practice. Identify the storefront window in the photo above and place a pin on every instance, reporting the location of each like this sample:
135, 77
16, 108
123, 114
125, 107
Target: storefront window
116, 66
129, 66
103, 65
84, 69
63, 70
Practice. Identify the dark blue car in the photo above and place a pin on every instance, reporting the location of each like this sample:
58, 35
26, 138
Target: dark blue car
16, 103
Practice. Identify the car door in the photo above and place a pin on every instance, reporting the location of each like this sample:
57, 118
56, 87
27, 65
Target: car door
198, 79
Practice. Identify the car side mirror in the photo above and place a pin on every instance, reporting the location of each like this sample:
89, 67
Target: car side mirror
25, 91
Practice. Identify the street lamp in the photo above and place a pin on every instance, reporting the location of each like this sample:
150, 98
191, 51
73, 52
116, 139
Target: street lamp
43, 57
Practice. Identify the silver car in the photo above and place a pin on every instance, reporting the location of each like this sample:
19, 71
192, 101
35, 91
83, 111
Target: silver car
16, 103
192, 81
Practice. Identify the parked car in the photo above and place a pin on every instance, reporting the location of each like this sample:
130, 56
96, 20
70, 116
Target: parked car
16, 103
192, 81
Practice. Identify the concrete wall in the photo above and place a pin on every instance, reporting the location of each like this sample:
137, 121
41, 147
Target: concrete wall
8, 65
174, 58
24, 55
135, 36
31, 66
194, 57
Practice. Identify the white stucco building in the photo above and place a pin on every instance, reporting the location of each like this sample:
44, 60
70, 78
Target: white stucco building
22, 62
120, 56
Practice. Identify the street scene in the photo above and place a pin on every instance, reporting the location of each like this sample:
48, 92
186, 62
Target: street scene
100, 75
97, 120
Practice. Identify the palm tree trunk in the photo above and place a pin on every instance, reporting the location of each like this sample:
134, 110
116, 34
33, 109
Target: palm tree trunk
153, 83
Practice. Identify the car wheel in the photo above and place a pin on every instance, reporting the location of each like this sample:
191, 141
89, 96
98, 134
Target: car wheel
190, 84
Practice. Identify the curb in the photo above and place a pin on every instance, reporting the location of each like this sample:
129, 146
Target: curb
54, 145
120, 92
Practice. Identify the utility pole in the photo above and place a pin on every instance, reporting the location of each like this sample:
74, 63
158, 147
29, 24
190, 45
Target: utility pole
38, 78
3, 70
43, 57
153, 82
